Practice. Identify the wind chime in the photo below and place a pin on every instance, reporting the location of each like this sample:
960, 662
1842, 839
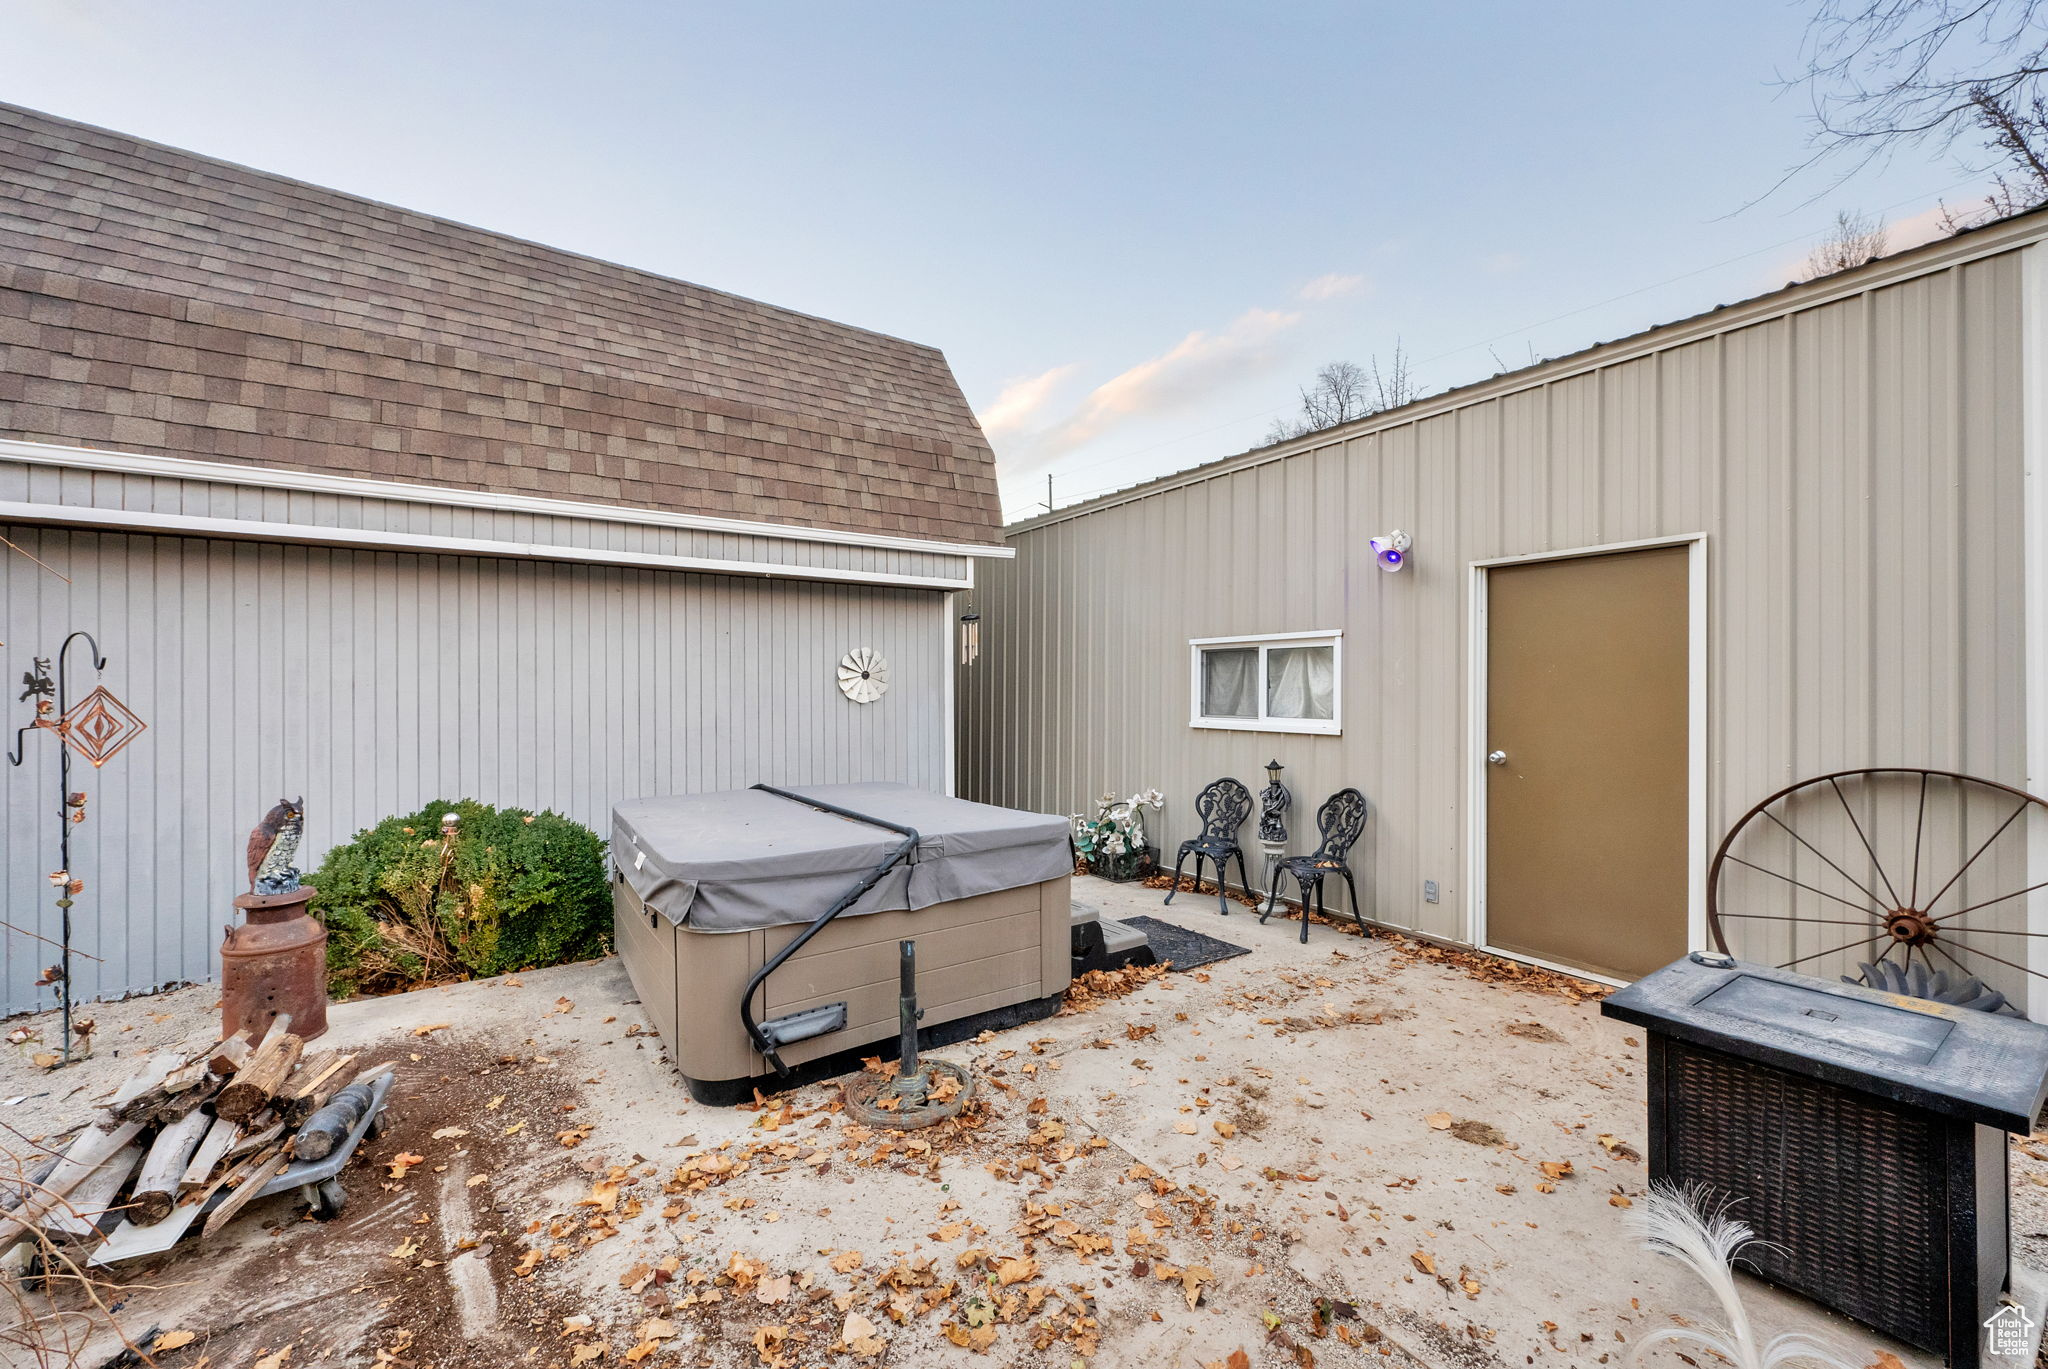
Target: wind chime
96, 727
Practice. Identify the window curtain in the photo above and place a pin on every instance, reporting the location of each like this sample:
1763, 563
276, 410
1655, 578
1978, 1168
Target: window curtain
1230, 683
1300, 682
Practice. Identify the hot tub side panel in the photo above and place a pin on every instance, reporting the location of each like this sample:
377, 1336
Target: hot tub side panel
975, 955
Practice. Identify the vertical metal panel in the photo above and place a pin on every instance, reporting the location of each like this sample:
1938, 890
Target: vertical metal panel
1856, 467
373, 683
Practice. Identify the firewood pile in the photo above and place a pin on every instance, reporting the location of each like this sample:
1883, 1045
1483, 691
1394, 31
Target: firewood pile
188, 1137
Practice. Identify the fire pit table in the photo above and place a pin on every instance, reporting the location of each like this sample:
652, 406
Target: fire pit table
1859, 1133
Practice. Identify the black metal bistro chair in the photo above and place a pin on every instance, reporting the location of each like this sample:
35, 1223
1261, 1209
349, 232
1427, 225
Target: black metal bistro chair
1223, 806
1341, 821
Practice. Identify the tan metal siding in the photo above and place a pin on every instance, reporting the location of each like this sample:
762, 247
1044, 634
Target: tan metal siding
1855, 465
374, 682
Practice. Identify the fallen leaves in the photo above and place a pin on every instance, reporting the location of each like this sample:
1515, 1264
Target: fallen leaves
861, 1336
431, 1028
1016, 1271
574, 1136
846, 1261
1423, 1261
405, 1161
276, 1359
172, 1340
1439, 1121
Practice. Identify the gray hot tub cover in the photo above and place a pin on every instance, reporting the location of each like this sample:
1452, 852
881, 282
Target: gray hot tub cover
731, 861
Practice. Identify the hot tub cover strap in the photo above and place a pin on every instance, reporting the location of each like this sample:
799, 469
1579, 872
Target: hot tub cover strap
736, 860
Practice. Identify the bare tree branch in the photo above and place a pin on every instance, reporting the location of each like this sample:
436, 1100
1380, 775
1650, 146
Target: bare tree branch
1886, 74
1344, 391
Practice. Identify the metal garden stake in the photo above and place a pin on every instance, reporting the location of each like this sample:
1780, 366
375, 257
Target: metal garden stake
96, 727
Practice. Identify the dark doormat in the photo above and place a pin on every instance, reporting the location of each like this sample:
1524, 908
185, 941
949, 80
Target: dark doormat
1184, 948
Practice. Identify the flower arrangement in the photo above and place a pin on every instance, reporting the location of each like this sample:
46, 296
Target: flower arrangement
1113, 841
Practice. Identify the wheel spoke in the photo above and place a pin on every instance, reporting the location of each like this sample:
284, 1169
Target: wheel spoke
1809, 921
1809, 889
1989, 901
1824, 860
1919, 826
1986, 931
1850, 813
2024, 805
2007, 963
1833, 950
1961, 969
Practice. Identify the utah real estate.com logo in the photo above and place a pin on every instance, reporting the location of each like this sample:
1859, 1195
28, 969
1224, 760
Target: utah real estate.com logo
2008, 1331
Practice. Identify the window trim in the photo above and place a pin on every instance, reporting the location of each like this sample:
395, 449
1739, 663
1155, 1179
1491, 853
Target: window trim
1265, 642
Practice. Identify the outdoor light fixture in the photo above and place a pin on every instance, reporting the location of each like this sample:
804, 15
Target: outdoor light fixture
1391, 549
970, 637
1273, 769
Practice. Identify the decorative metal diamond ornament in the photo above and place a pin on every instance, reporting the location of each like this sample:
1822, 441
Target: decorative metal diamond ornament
99, 725
863, 675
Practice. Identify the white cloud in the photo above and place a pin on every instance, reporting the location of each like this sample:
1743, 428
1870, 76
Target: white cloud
1331, 286
1915, 229
1020, 400
1185, 373
1501, 263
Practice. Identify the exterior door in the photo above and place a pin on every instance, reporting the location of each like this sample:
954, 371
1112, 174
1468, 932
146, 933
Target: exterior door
1586, 783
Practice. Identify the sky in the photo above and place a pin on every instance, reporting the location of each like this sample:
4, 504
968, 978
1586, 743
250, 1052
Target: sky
1134, 228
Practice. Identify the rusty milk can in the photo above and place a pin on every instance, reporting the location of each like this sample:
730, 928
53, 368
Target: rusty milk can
275, 962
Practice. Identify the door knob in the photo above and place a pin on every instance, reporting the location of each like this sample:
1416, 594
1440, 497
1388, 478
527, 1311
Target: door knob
1496, 758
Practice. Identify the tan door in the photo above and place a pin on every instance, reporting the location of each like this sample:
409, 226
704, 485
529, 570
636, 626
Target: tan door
1586, 778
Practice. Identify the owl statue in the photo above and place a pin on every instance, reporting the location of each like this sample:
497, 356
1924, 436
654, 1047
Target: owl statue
272, 844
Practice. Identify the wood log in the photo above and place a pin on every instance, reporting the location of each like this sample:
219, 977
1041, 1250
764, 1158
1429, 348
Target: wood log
329, 1127
255, 1172
86, 1204
155, 1067
191, 1072
228, 1055
314, 1082
81, 1158
254, 1141
213, 1148
156, 1187
262, 1074
17, 1186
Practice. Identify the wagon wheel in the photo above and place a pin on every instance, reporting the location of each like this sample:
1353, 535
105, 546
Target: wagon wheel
1902, 878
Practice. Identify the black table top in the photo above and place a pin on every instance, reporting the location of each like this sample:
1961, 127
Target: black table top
1982, 1067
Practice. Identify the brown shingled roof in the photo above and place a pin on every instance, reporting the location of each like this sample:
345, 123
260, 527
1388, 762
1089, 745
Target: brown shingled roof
156, 301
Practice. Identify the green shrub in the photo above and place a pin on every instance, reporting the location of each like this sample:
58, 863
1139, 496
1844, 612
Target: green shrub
511, 890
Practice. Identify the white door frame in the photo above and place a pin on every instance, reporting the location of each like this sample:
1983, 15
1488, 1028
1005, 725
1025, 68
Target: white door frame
1477, 744
2034, 591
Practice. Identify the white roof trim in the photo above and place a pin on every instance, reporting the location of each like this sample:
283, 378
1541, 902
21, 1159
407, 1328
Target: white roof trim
372, 539
361, 487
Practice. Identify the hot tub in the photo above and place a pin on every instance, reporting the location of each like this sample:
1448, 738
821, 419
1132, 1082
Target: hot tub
761, 926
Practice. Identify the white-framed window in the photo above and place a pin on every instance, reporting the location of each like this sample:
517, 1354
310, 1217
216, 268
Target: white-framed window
1274, 682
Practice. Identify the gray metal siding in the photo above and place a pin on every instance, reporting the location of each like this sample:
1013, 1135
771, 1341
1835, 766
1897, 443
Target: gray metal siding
374, 682
1855, 465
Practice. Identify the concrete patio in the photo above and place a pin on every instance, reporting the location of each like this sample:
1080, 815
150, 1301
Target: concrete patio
1344, 1153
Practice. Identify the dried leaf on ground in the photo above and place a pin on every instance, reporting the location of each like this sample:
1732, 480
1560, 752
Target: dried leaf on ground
1424, 1261
172, 1340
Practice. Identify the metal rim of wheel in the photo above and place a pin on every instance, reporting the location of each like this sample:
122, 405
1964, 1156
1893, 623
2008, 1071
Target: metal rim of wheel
862, 1096
1891, 909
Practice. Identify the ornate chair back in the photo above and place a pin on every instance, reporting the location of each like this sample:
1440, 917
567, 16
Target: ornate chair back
1341, 820
1223, 807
